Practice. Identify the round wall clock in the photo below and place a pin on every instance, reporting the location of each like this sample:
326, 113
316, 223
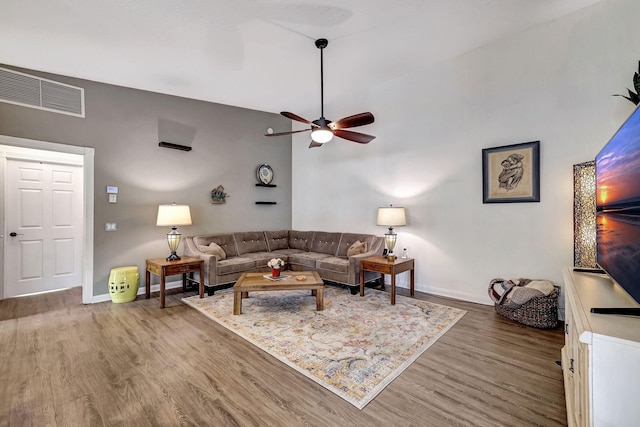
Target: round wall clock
265, 174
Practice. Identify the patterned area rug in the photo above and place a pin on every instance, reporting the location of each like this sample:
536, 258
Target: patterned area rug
355, 347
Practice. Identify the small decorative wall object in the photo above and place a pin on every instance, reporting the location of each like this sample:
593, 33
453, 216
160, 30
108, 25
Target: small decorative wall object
264, 173
584, 215
511, 173
218, 195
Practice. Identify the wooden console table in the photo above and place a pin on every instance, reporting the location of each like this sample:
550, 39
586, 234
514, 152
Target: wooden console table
163, 268
381, 265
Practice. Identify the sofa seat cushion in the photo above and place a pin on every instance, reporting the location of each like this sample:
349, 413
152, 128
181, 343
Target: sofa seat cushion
235, 265
326, 243
306, 259
333, 264
251, 241
261, 258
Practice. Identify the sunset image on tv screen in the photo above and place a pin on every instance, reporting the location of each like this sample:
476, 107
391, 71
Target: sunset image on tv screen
618, 166
618, 206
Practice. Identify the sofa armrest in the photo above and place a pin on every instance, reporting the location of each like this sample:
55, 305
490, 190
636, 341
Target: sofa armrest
354, 260
210, 261
354, 263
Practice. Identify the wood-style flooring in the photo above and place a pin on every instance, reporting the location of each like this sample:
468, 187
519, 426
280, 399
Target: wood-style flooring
63, 363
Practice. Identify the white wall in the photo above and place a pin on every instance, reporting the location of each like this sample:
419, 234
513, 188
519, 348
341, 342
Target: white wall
552, 83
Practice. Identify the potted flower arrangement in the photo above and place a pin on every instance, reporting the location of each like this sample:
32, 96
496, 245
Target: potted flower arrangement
275, 264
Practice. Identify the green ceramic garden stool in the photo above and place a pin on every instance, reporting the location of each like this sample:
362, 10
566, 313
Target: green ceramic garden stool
124, 283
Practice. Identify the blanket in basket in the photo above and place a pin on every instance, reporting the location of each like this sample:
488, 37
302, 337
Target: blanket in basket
530, 302
516, 292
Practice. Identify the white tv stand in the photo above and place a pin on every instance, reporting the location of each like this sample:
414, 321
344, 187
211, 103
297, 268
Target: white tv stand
601, 356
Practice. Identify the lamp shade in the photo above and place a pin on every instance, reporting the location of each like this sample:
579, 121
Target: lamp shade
172, 215
391, 216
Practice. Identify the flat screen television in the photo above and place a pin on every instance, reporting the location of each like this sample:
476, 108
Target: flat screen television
618, 207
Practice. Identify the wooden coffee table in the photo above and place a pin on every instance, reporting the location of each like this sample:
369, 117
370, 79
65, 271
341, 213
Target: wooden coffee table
252, 282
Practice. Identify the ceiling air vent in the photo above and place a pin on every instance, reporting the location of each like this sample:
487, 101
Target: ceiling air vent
35, 92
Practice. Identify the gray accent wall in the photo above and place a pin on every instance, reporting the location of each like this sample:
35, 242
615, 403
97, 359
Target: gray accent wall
124, 127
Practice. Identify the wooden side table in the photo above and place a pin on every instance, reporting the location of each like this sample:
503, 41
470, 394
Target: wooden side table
380, 264
163, 268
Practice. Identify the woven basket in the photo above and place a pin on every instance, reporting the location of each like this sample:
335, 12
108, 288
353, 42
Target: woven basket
541, 312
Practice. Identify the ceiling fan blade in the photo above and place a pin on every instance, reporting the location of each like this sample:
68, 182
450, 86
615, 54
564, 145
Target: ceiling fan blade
353, 121
315, 144
361, 138
286, 133
297, 118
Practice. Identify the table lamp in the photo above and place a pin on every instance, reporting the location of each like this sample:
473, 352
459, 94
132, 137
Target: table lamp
172, 216
391, 217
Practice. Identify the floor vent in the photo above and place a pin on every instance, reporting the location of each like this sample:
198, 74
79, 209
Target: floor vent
35, 92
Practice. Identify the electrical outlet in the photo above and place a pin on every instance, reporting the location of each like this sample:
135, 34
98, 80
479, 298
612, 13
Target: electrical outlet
110, 226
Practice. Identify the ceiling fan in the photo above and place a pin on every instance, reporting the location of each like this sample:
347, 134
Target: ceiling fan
323, 130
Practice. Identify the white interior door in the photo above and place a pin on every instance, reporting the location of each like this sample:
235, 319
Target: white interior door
43, 240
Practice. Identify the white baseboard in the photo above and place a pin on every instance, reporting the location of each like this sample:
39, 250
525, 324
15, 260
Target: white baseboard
464, 296
141, 291
448, 293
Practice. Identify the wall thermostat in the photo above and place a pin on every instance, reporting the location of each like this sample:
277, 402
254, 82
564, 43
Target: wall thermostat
112, 190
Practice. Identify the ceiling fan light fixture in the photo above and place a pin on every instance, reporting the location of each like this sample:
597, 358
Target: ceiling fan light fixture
321, 135
323, 130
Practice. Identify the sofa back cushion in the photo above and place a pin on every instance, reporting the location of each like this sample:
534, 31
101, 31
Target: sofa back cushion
250, 241
300, 239
225, 241
325, 243
277, 239
349, 239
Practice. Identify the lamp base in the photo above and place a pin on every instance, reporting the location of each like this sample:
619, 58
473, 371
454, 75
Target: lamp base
173, 257
391, 258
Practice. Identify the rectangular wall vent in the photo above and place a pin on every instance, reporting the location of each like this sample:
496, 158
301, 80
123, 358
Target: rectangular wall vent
43, 94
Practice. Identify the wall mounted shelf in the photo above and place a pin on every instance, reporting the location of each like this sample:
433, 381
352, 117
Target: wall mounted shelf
266, 203
174, 146
265, 185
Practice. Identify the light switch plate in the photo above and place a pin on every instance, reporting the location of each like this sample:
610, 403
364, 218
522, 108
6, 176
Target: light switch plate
113, 198
110, 226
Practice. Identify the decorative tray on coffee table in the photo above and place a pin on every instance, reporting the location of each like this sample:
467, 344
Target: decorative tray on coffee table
275, 279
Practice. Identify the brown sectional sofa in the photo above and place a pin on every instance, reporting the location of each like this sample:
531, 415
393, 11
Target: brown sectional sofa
324, 252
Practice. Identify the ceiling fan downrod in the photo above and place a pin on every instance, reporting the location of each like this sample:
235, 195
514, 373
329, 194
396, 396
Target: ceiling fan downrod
321, 44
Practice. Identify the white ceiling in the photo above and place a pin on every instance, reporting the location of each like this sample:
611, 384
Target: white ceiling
257, 54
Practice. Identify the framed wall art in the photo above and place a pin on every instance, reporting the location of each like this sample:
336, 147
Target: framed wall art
511, 173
